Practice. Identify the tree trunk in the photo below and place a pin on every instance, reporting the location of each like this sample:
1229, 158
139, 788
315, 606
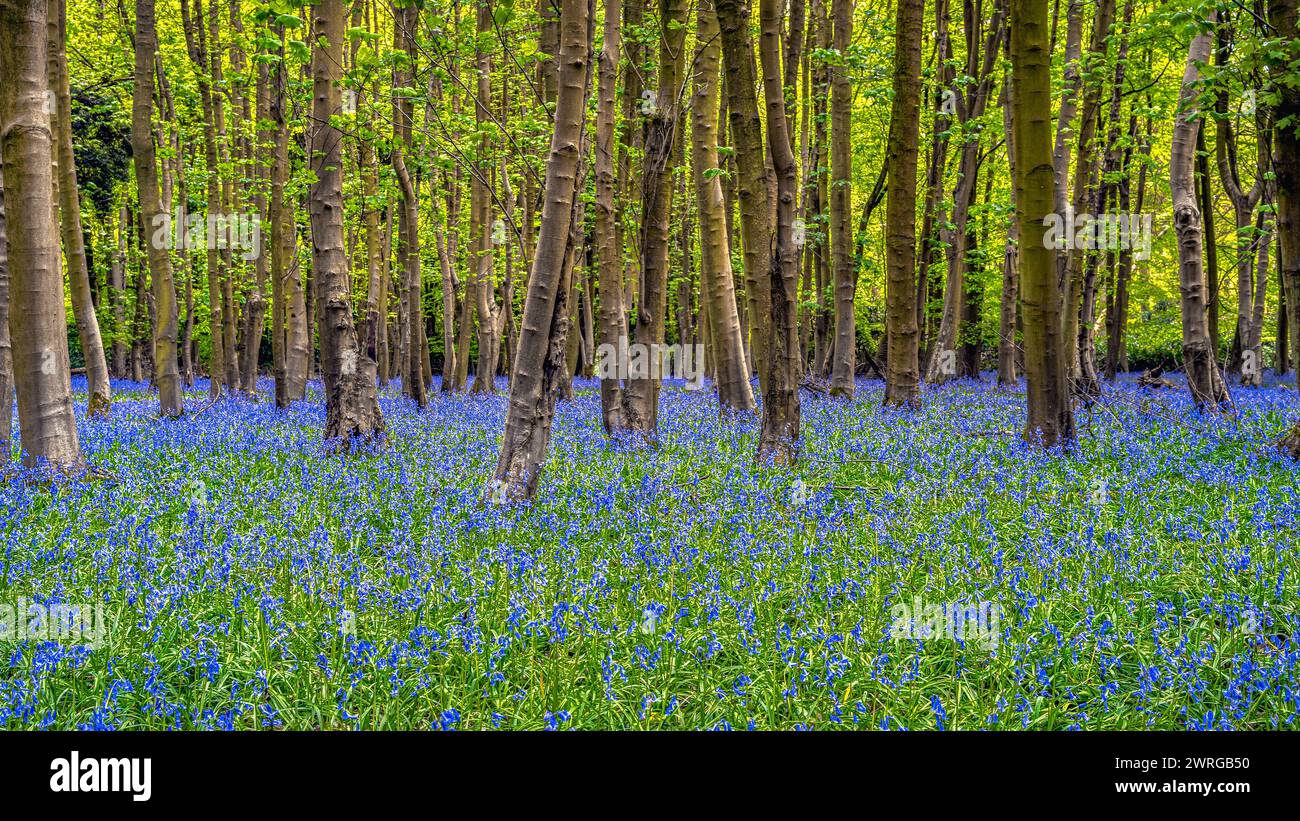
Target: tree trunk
36, 313
166, 375
779, 435
1049, 418
902, 364
641, 396
6, 347
351, 408
717, 283
1199, 361
846, 343
751, 170
92, 344
613, 322
539, 363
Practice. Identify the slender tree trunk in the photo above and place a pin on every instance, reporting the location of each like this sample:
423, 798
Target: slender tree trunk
718, 294
1049, 418
902, 366
166, 375
641, 396
36, 314
845, 362
6, 346
351, 407
1199, 361
751, 170
779, 435
613, 321
92, 344
539, 363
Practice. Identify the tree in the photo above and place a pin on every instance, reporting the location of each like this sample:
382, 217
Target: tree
902, 368
351, 406
6, 347
539, 363
641, 395
100, 394
1049, 418
613, 321
752, 176
36, 313
166, 375
778, 440
717, 290
843, 362
1199, 360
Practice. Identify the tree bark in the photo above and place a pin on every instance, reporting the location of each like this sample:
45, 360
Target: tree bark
613, 321
83, 308
1049, 418
351, 407
166, 375
844, 363
36, 314
1199, 360
718, 291
779, 434
539, 363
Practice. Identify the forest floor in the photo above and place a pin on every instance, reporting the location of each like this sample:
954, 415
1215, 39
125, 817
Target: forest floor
241, 578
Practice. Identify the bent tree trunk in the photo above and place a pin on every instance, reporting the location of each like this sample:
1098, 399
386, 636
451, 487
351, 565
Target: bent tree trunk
902, 363
166, 374
539, 363
351, 407
1049, 419
36, 318
1203, 379
718, 293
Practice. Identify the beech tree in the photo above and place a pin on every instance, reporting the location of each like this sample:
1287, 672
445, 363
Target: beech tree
166, 374
1049, 419
1199, 360
351, 406
539, 363
36, 309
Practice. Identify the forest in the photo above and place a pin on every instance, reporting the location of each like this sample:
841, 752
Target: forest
603, 364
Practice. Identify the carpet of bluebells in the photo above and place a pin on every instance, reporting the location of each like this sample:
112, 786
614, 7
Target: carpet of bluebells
1145, 579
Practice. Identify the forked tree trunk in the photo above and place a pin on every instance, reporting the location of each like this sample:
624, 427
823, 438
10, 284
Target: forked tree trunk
36, 313
539, 363
351, 408
1049, 418
717, 289
902, 363
779, 435
1199, 361
166, 375
74, 244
